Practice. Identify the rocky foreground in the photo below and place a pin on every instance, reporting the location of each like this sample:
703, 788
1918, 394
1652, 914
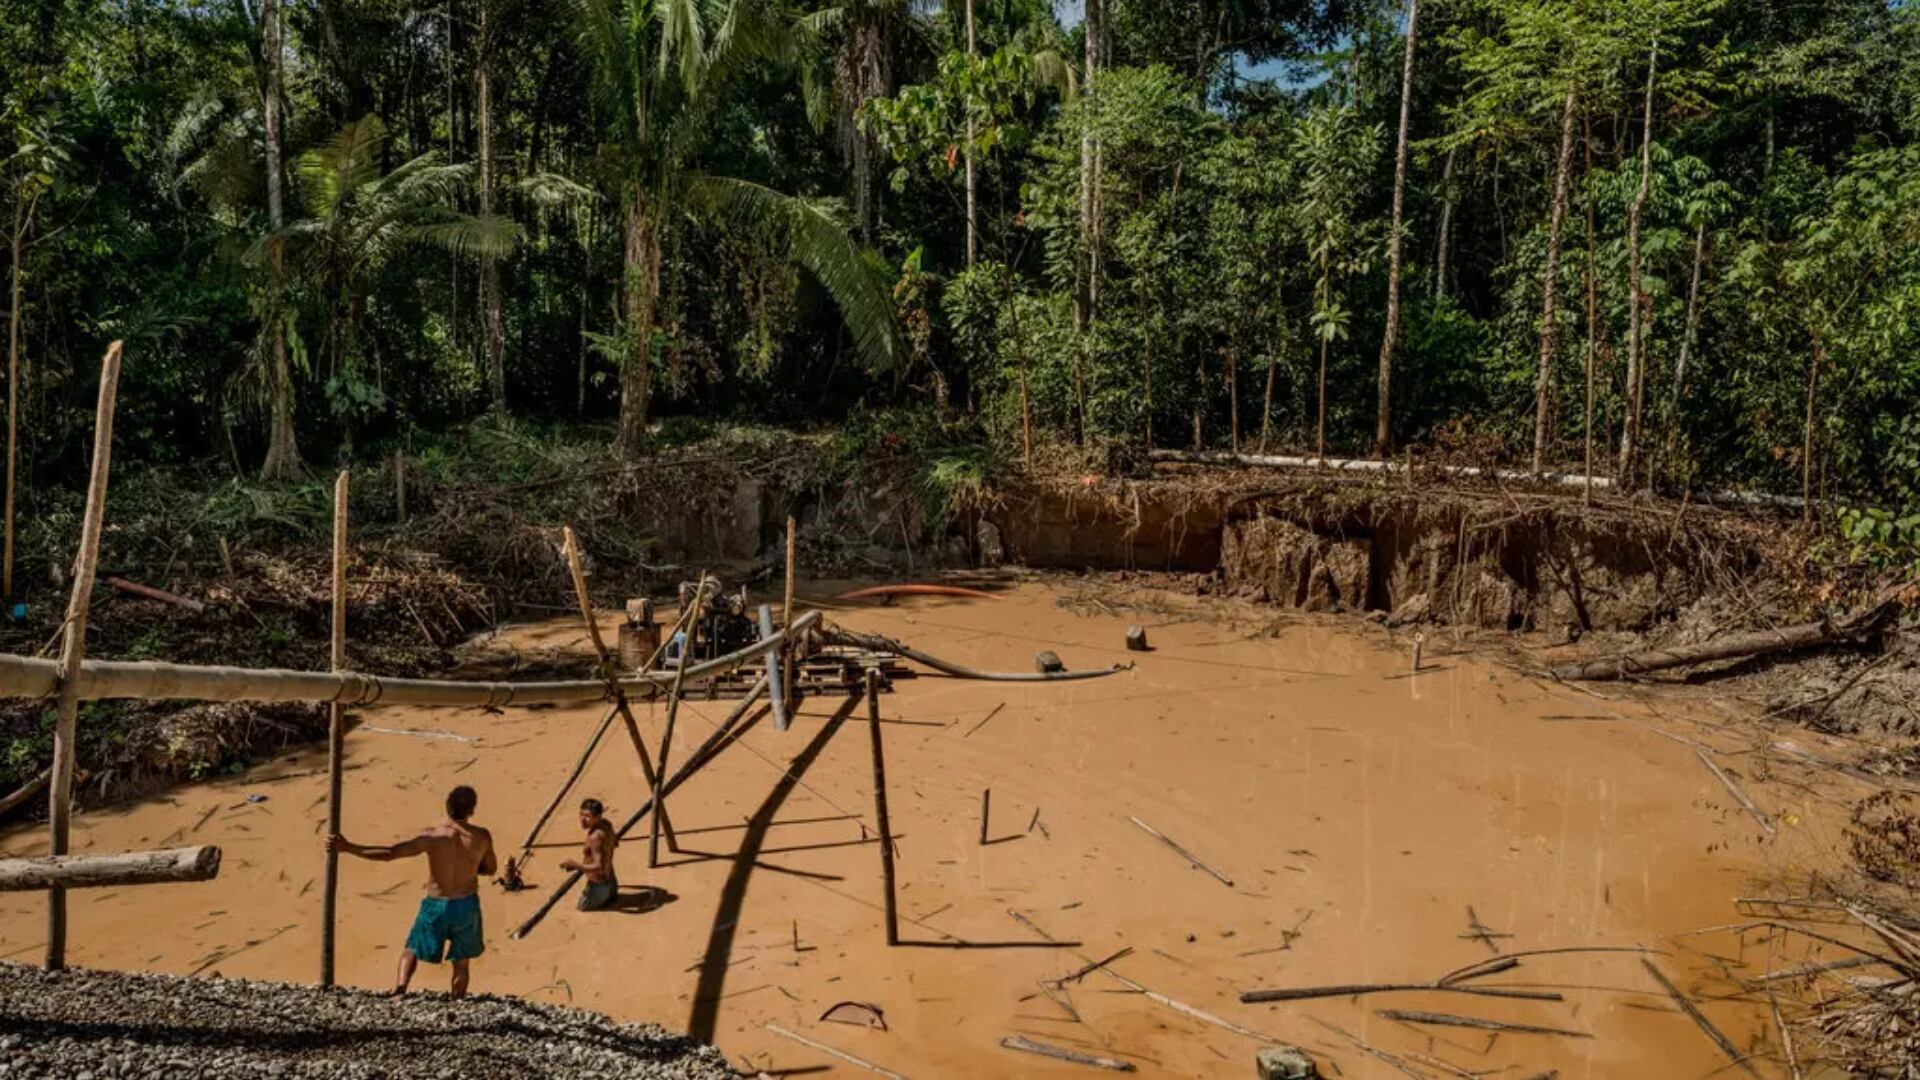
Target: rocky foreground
100, 1024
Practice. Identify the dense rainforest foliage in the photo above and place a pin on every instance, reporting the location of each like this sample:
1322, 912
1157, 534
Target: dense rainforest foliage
1672, 241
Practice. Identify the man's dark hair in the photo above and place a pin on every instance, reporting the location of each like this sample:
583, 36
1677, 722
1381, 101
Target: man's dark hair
460, 803
594, 807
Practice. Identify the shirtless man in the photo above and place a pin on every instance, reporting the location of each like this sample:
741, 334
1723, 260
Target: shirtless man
457, 852
596, 858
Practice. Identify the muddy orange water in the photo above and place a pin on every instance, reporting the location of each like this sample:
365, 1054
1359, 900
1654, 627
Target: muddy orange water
1358, 811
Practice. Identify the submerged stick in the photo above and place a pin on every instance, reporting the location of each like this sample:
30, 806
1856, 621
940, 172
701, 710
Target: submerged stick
1184, 853
73, 649
1733, 789
1699, 1018
841, 1054
1092, 967
1413, 1016
1029, 1046
1310, 993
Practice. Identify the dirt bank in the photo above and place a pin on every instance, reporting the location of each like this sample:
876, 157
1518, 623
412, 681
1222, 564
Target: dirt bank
1359, 812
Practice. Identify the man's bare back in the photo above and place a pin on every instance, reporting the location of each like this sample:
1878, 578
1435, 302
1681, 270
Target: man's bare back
457, 854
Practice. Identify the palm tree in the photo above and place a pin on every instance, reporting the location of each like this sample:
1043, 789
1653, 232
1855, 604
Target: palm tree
359, 218
869, 38
660, 68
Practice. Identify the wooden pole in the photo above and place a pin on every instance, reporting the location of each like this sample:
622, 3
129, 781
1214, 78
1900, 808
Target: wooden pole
620, 706
73, 650
128, 868
786, 619
880, 805
673, 713
702, 754
986, 809
27, 677
336, 726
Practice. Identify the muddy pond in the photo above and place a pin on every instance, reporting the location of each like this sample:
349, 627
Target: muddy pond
1375, 825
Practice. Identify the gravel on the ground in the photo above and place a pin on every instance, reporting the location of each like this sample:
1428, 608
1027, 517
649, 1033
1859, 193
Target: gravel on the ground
93, 1025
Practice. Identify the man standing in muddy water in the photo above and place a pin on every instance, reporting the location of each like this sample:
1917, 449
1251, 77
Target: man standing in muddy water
596, 858
458, 852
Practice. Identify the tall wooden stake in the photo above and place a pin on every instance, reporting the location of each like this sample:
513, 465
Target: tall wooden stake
73, 648
572, 549
336, 725
880, 805
399, 487
673, 713
786, 619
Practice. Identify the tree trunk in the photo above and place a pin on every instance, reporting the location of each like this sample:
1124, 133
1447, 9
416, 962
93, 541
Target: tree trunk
1266, 404
972, 226
1693, 323
1199, 398
22, 221
1146, 355
93, 871
1636, 358
1232, 361
1550, 286
1087, 301
1818, 361
1593, 316
1383, 423
1442, 267
283, 453
495, 335
1320, 426
642, 283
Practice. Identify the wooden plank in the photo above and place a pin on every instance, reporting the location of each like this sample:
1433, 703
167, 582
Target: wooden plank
93, 871
1059, 1053
73, 651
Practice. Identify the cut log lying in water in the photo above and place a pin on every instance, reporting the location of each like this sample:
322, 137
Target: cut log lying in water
129, 868
26, 677
1732, 647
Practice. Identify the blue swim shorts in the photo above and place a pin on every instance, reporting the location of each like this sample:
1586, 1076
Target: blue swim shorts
449, 926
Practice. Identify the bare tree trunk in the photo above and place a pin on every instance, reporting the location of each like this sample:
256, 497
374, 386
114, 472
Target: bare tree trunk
1320, 427
642, 283
1199, 399
972, 226
1442, 267
1146, 354
1636, 359
1383, 423
1231, 359
1818, 361
1550, 286
283, 453
1693, 321
1593, 317
22, 221
1088, 300
495, 346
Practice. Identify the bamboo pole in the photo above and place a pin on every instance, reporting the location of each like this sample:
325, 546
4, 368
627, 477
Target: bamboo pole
336, 726
124, 868
599, 733
620, 706
27, 677
880, 806
73, 650
786, 619
673, 713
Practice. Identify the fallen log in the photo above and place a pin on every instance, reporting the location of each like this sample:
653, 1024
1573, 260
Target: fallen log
834, 635
134, 588
128, 868
1059, 1053
1731, 647
27, 677
26, 791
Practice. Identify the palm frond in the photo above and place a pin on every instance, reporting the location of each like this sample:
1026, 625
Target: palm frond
470, 234
350, 160
805, 233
